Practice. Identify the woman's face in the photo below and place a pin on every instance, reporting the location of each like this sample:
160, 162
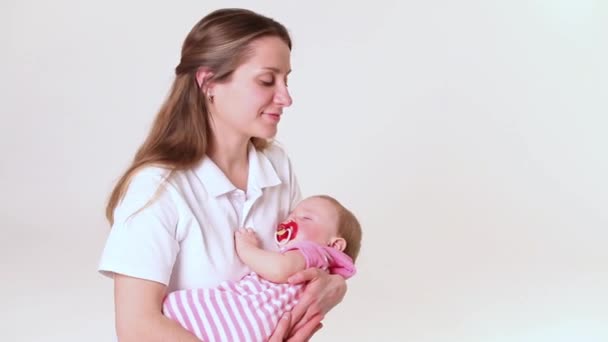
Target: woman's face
251, 103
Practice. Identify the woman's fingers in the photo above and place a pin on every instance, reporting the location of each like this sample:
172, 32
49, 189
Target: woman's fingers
307, 330
297, 313
307, 307
309, 315
280, 332
305, 275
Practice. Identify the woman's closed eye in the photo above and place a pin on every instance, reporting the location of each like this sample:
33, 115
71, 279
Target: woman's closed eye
267, 81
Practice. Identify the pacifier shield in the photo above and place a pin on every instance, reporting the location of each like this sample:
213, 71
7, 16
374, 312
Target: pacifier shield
286, 232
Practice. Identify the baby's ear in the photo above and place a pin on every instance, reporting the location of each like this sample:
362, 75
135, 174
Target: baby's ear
338, 243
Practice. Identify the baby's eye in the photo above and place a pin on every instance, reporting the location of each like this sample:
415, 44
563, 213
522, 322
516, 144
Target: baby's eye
306, 218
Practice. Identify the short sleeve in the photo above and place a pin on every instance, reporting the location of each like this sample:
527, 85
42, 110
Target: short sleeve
142, 241
327, 258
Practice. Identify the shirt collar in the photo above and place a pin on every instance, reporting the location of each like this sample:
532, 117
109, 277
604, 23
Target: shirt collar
261, 174
261, 171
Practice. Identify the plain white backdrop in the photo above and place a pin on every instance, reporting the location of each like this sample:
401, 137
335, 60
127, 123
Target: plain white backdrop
470, 137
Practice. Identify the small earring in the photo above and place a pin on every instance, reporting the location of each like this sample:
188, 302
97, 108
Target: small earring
210, 98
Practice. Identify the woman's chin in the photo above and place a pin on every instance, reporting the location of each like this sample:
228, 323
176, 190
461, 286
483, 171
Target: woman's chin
268, 133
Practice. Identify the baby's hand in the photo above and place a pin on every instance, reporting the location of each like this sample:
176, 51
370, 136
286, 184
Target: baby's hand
246, 238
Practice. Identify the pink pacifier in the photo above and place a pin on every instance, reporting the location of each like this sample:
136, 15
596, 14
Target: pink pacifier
286, 232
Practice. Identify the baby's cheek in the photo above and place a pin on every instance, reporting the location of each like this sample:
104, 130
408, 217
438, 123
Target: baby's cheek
310, 234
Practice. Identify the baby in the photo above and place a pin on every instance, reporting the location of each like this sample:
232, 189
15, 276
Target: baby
319, 232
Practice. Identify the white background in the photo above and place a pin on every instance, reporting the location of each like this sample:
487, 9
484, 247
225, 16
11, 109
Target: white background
470, 137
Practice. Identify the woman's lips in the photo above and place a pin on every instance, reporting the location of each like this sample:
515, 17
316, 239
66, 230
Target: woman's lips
275, 117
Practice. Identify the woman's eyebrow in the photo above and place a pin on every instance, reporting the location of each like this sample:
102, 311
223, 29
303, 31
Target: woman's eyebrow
276, 70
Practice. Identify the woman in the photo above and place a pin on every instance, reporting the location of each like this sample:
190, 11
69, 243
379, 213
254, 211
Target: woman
206, 169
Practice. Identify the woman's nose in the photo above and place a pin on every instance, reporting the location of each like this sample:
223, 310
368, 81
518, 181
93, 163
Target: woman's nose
283, 98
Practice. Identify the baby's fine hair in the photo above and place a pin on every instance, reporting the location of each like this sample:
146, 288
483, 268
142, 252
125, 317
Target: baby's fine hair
349, 227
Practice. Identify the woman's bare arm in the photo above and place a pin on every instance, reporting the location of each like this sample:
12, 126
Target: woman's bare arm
138, 306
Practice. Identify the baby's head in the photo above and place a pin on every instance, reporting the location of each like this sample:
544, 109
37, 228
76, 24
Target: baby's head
324, 220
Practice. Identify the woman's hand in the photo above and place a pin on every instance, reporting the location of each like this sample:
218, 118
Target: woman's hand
281, 332
322, 293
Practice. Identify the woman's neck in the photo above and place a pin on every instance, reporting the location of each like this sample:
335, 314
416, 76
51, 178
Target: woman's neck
231, 156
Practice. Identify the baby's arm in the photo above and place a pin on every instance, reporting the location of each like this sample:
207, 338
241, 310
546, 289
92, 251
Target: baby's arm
272, 266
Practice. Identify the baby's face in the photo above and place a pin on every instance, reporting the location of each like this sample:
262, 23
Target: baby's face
317, 220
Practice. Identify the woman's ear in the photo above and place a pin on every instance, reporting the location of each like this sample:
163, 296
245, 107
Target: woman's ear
338, 243
203, 75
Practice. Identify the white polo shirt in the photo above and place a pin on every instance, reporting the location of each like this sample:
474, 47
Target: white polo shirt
185, 237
